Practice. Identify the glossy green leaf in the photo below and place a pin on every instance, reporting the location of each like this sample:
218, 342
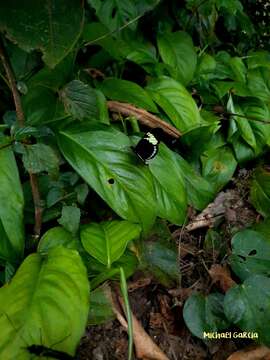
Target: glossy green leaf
128, 261
243, 124
107, 241
205, 67
144, 55
218, 166
100, 306
103, 157
176, 102
127, 91
247, 306
36, 307
260, 191
55, 27
11, 208
238, 68
247, 132
259, 83
250, 253
70, 218
80, 100
205, 314
259, 58
199, 190
40, 157
170, 190
55, 237
177, 51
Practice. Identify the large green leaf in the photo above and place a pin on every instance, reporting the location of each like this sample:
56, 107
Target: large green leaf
259, 83
54, 26
260, 191
251, 253
177, 51
107, 241
205, 314
11, 208
248, 306
46, 303
127, 91
170, 190
218, 166
242, 123
259, 58
199, 190
248, 136
103, 157
114, 13
176, 102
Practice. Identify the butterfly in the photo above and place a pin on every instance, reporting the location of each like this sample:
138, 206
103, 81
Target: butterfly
147, 148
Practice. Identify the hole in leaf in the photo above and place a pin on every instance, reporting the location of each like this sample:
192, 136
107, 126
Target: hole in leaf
111, 181
253, 252
242, 257
113, 12
261, 309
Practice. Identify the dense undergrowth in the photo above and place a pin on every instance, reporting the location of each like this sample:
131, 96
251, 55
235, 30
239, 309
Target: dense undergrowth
80, 85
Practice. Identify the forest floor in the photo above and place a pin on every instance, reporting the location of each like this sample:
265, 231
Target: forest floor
160, 309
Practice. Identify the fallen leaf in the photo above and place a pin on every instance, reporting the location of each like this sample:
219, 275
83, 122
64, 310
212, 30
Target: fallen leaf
221, 274
251, 353
145, 347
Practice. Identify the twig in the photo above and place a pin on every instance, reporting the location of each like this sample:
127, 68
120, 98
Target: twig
21, 122
143, 116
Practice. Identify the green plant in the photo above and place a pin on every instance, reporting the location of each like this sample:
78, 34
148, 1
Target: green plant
76, 204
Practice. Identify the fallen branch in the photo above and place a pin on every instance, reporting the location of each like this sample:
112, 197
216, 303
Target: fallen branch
21, 122
143, 116
212, 213
257, 352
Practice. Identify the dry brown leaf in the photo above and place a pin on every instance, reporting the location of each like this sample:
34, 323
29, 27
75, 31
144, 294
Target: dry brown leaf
145, 347
251, 353
221, 275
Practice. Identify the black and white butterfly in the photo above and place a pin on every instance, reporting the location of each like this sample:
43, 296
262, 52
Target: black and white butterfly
147, 148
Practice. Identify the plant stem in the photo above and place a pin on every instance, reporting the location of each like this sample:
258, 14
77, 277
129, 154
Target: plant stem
13, 86
21, 121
